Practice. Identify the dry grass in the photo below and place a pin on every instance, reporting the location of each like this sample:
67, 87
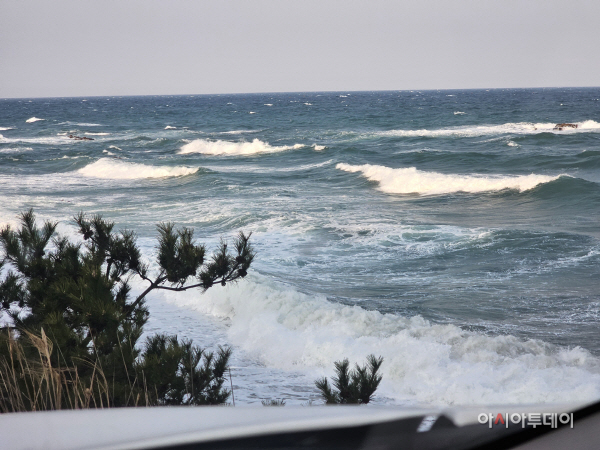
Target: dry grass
34, 384
33, 380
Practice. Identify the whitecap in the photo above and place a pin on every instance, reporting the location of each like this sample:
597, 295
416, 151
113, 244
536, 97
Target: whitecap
169, 127
33, 119
120, 170
96, 134
237, 132
81, 124
219, 147
6, 128
48, 140
409, 180
459, 113
318, 147
588, 125
268, 104
488, 130
251, 112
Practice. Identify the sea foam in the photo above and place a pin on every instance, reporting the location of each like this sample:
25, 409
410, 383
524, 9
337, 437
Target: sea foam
424, 363
219, 147
121, 170
487, 130
237, 132
47, 140
33, 119
410, 180
15, 149
81, 124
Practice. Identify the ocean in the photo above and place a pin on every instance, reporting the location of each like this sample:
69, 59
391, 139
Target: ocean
455, 233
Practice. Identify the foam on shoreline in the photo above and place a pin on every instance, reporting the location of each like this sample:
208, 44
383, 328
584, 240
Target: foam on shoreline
424, 363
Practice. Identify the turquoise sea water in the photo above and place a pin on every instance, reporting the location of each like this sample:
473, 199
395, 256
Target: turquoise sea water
453, 232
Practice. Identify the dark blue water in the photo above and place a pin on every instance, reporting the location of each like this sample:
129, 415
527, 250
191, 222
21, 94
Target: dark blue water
454, 232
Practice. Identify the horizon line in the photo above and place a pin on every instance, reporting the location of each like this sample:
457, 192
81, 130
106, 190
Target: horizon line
299, 92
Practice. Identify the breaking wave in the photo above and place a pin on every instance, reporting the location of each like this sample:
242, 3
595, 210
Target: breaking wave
33, 119
219, 147
410, 180
6, 128
486, 130
120, 170
424, 363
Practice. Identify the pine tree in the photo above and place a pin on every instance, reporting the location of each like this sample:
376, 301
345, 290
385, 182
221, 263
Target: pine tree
75, 297
353, 386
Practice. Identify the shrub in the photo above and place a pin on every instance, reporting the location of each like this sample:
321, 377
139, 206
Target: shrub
353, 386
74, 297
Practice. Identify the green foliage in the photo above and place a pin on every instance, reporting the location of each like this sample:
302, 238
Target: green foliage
352, 386
199, 375
77, 294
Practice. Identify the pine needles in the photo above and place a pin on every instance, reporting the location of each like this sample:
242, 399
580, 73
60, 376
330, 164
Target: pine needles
355, 386
72, 338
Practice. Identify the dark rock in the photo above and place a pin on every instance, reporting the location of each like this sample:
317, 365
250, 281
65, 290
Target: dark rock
561, 126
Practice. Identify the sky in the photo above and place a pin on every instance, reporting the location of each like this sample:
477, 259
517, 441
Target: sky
86, 47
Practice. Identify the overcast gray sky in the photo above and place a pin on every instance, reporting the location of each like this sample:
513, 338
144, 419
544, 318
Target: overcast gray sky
85, 48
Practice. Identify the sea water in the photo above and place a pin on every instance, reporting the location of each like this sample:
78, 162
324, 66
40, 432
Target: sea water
454, 233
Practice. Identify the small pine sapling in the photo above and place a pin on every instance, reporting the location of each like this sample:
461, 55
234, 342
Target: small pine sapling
355, 386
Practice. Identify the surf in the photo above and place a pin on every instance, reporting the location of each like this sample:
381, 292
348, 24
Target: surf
122, 170
425, 363
519, 128
243, 148
410, 180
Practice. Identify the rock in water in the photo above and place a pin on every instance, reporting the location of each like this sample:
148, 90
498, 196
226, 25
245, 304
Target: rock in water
561, 126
